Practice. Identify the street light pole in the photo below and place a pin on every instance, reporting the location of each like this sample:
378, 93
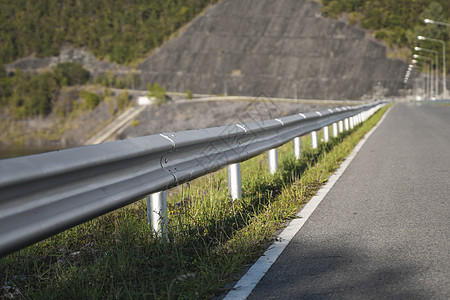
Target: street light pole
414, 84
428, 21
425, 79
436, 76
430, 82
422, 38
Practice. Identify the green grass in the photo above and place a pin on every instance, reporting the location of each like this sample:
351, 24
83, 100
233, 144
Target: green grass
211, 237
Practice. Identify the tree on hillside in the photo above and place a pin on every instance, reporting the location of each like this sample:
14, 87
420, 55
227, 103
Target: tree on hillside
434, 12
121, 31
35, 94
397, 22
71, 74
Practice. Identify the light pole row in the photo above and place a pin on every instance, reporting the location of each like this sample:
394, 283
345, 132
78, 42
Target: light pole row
436, 76
426, 78
444, 69
430, 73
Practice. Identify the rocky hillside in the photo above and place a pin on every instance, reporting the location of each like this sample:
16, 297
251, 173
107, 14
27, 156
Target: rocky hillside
283, 48
280, 48
95, 67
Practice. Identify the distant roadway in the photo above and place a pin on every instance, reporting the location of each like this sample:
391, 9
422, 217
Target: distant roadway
383, 230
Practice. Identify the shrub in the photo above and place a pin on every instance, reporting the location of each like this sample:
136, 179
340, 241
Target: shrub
188, 94
156, 92
90, 100
123, 100
71, 74
381, 34
333, 9
354, 18
33, 94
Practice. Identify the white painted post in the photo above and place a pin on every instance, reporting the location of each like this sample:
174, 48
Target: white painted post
341, 126
297, 147
273, 161
335, 129
234, 181
314, 139
157, 213
347, 127
326, 134
351, 122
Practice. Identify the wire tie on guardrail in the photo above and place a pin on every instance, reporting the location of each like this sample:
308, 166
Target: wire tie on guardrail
242, 127
166, 137
281, 122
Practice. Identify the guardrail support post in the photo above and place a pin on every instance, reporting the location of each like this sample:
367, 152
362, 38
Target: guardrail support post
341, 126
346, 125
273, 161
352, 121
157, 213
234, 181
297, 147
314, 139
335, 129
326, 134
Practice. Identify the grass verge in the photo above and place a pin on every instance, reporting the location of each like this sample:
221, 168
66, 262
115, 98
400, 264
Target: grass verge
211, 237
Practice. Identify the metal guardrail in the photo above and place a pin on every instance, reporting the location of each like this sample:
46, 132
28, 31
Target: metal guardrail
43, 194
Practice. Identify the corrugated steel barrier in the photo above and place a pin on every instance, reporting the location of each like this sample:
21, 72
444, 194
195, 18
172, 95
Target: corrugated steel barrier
41, 195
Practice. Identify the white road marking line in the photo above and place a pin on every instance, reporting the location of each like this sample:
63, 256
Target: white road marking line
248, 282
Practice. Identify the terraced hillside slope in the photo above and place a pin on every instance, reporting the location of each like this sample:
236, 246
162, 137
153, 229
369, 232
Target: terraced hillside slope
283, 48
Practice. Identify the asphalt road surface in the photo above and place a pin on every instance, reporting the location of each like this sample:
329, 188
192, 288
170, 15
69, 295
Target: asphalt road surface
383, 230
